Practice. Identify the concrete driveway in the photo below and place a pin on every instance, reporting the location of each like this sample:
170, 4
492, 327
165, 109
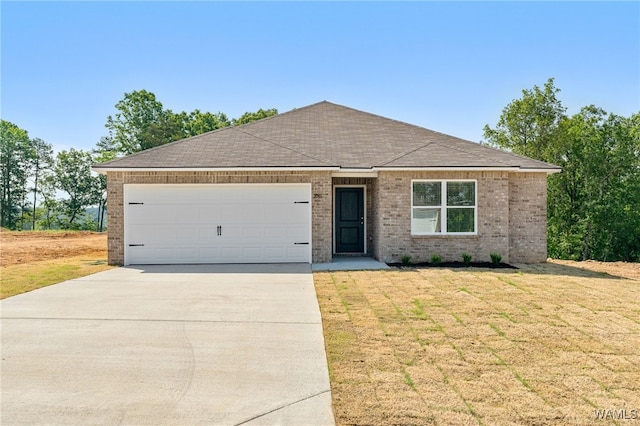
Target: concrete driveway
184, 345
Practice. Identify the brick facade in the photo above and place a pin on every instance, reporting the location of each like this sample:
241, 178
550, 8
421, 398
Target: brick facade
528, 217
511, 209
511, 212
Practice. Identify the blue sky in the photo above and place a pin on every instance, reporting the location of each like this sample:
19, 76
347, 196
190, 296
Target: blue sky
449, 66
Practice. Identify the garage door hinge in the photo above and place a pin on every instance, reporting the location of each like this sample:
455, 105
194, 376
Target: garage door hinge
135, 203
136, 245
306, 244
300, 202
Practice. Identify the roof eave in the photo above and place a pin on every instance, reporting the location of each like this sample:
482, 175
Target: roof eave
516, 169
335, 169
103, 170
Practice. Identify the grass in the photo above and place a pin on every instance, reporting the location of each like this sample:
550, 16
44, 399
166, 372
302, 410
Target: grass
546, 345
16, 279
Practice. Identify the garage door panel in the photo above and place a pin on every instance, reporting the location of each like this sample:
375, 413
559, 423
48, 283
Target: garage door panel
297, 252
179, 223
152, 214
190, 213
187, 254
298, 233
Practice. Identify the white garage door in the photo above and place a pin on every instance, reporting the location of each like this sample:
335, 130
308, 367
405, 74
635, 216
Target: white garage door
257, 223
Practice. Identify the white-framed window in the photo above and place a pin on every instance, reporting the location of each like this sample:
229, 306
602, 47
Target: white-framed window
444, 207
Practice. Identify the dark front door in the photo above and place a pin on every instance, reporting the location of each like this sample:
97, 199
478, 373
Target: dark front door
349, 211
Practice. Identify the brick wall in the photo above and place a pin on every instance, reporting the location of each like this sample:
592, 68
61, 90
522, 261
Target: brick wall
528, 217
511, 213
321, 201
322, 222
115, 215
393, 231
512, 218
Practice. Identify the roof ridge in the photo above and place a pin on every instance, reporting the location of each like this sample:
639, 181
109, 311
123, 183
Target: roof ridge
280, 114
414, 126
285, 147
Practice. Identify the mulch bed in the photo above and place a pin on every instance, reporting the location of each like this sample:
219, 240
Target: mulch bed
454, 265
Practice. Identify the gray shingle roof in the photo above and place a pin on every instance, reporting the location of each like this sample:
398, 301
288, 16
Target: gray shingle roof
323, 135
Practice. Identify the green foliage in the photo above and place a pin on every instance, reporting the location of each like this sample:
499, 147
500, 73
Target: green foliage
73, 176
136, 113
436, 260
593, 204
196, 122
248, 117
527, 126
594, 213
495, 258
142, 123
16, 155
405, 259
41, 164
466, 258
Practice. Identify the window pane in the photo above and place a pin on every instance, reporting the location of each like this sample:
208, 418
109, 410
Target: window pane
427, 193
461, 193
460, 220
425, 221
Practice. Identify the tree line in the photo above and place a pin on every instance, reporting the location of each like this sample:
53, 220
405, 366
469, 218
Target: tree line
594, 203
42, 191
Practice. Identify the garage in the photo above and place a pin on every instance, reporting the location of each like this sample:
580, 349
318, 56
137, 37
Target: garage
217, 223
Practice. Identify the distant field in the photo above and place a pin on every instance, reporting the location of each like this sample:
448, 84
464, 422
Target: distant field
33, 259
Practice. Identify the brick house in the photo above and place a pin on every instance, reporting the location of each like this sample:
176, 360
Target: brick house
320, 181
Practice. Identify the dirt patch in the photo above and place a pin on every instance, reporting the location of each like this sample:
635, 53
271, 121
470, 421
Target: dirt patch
33, 246
618, 269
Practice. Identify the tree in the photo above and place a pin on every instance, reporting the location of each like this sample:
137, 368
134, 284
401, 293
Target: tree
248, 117
597, 196
14, 162
142, 123
100, 186
528, 126
197, 123
41, 161
593, 203
167, 128
136, 112
73, 176
49, 205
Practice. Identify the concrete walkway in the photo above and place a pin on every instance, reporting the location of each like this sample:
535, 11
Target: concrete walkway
202, 344
348, 263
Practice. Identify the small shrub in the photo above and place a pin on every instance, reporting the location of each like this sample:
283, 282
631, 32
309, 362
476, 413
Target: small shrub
466, 258
495, 258
405, 259
436, 260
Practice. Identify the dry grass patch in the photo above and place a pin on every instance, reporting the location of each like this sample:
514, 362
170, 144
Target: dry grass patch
544, 345
34, 259
16, 279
